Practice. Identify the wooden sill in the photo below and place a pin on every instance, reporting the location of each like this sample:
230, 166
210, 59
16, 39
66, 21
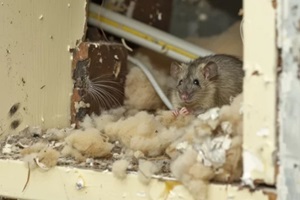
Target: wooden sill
60, 183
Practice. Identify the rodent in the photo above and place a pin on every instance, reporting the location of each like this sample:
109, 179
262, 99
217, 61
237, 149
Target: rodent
206, 82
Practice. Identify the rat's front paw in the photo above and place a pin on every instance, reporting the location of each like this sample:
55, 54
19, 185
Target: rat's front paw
183, 111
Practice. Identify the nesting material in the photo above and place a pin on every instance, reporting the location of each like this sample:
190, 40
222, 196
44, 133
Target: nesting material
142, 95
193, 149
108, 117
55, 134
39, 155
210, 150
89, 143
119, 168
143, 132
194, 175
146, 170
139, 92
168, 119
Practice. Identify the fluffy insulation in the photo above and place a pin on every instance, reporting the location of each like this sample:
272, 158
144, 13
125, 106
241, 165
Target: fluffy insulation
89, 143
107, 117
139, 93
39, 155
192, 173
209, 150
146, 170
199, 149
143, 132
119, 168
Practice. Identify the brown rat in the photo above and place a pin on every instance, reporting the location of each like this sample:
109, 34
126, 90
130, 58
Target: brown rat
206, 82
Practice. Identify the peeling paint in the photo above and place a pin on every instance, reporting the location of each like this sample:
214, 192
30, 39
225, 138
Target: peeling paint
40, 59
80, 184
264, 132
251, 164
259, 106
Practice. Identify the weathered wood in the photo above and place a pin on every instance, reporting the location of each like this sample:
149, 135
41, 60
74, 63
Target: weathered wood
35, 61
94, 64
259, 106
288, 21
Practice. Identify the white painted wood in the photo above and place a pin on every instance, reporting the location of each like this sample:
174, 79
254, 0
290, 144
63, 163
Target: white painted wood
260, 62
60, 183
35, 62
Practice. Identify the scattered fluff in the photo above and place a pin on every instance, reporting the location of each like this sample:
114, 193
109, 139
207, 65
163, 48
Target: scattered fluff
196, 132
48, 157
209, 150
55, 134
232, 169
202, 149
142, 132
146, 170
89, 143
87, 122
40, 155
119, 168
192, 173
30, 160
35, 148
108, 117
139, 93
167, 118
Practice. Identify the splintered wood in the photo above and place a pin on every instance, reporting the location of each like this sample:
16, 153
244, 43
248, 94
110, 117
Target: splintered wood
99, 70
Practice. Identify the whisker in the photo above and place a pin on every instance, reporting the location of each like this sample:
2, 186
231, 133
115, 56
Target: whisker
107, 82
103, 76
101, 96
103, 91
109, 88
108, 94
97, 98
97, 95
112, 98
104, 95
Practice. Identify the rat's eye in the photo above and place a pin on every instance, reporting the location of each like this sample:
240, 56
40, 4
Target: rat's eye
196, 82
180, 82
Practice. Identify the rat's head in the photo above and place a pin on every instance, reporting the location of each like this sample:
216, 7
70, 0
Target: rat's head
194, 81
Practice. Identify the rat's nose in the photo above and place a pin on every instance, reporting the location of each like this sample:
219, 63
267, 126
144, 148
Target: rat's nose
184, 96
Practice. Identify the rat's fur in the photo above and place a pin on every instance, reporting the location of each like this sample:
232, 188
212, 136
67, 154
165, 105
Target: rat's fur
207, 82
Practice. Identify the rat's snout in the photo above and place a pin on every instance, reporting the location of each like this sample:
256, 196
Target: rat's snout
185, 96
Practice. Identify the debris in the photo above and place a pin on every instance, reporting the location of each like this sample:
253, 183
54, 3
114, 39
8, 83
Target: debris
119, 168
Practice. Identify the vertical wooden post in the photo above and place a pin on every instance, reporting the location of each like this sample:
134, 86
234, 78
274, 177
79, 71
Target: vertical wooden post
288, 20
35, 63
260, 64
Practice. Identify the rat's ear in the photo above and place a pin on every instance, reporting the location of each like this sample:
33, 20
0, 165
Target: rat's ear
210, 70
176, 68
